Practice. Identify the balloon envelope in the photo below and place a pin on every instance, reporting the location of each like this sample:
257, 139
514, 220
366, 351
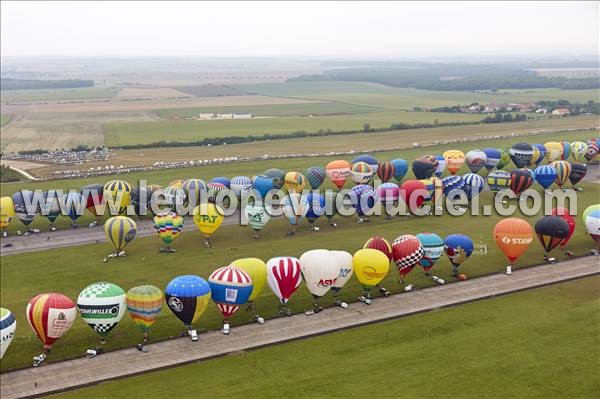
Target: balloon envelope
578, 172
370, 267
144, 305
385, 171
498, 180
208, 218
262, 185
8, 325
230, 287
118, 195
338, 172
564, 214
458, 248
476, 160
315, 176
168, 226
563, 171
407, 251
257, 270
363, 199
521, 154
277, 176
545, 175
320, 270
513, 236
102, 305
433, 248
551, 231
344, 262
520, 180
284, 277
492, 157
120, 230
187, 296
50, 316
380, 244
361, 172
400, 168
454, 160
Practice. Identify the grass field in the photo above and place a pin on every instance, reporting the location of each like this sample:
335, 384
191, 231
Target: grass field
540, 343
85, 93
5, 119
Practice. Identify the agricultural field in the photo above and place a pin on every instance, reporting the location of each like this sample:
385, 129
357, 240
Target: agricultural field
211, 90
460, 343
43, 95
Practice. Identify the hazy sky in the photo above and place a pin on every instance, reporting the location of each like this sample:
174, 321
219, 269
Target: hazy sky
392, 29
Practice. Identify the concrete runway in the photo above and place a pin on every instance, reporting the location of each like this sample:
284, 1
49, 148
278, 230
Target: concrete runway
70, 374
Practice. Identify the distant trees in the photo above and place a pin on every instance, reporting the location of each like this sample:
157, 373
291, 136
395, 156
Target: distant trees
500, 118
32, 84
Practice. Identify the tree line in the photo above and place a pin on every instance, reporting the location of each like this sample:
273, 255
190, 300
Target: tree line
34, 84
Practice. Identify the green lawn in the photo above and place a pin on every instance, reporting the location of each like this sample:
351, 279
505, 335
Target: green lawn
85, 93
541, 343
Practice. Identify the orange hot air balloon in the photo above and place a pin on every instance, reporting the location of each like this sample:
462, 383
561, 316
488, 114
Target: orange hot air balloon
338, 172
513, 236
454, 160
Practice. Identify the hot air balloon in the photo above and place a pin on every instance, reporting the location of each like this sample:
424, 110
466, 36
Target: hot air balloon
208, 218
220, 180
213, 189
316, 207
578, 172
102, 305
475, 160
474, 184
454, 160
8, 325
257, 270
284, 278
407, 251
277, 176
385, 171
26, 208
338, 172
369, 160
168, 226
262, 185
295, 208
230, 287
294, 182
401, 168
492, 157
388, 193
453, 185
433, 248
423, 167
188, 296
520, 180
458, 248
430, 187
141, 200
7, 213
592, 155
241, 186
553, 151
498, 180
178, 183
51, 207
539, 153
194, 189
315, 176
513, 236
118, 196
74, 205
551, 231
566, 150
521, 154
50, 317
363, 199
370, 268
578, 150
361, 173
563, 170
120, 230
258, 215
380, 244
93, 194
441, 166
504, 160
413, 193
320, 270
591, 219
564, 214
144, 306
545, 175
344, 263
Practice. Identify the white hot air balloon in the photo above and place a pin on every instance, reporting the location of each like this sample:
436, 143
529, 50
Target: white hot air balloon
344, 262
284, 278
320, 271
8, 324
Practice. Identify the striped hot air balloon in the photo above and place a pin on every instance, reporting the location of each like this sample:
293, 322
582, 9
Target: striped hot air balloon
120, 230
520, 180
539, 153
454, 160
168, 226
230, 287
144, 305
401, 168
361, 172
369, 160
452, 183
118, 195
545, 175
241, 186
193, 189
385, 171
566, 150
50, 316
474, 184
380, 244
284, 277
563, 170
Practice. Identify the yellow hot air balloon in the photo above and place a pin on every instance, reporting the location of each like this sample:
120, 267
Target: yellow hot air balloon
454, 160
554, 150
294, 182
257, 270
120, 230
7, 212
208, 218
176, 183
168, 226
370, 268
118, 195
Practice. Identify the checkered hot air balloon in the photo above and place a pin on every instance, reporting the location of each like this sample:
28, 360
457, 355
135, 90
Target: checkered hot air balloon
230, 287
453, 185
315, 176
102, 305
407, 251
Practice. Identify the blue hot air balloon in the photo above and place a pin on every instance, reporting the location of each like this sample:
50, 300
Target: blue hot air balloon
187, 297
25, 206
458, 248
363, 198
223, 180
400, 168
452, 183
262, 184
316, 206
369, 160
441, 165
315, 176
541, 154
241, 186
493, 157
545, 175
51, 207
74, 204
474, 184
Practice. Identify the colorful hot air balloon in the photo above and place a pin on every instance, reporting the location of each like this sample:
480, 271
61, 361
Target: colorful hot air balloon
294, 182
433, 248
168, 226
553, 151
498, 180
213, 189
187, 297
413, 193
194, 189
388, 193
74, 205
369, 160
380, 244
320, 270
492, 157
316, 207
566, 150
452, 185
25, 206
361, 173
578, 150
262, 185
545, 175
93, 194
591, 219
118, 196
520, 180
401, 168
219, 180
363, 199
458, 248
258, 216
423, 167
230, 287
120, 230
539, 153
385, 171
338, 172
344, 263
578, 172
563, 170
50, 316
504, 160
521, 154
551, 231
257, 270
315, 176
476, 160
370, 268
208, 218
454, 160
513, 236
439, 171
102, 305
564, 214
144, 305
474, 184
241, 186
8, 325
277, 176
284, 278
7, 213
592, 155
295, 208
407, 251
